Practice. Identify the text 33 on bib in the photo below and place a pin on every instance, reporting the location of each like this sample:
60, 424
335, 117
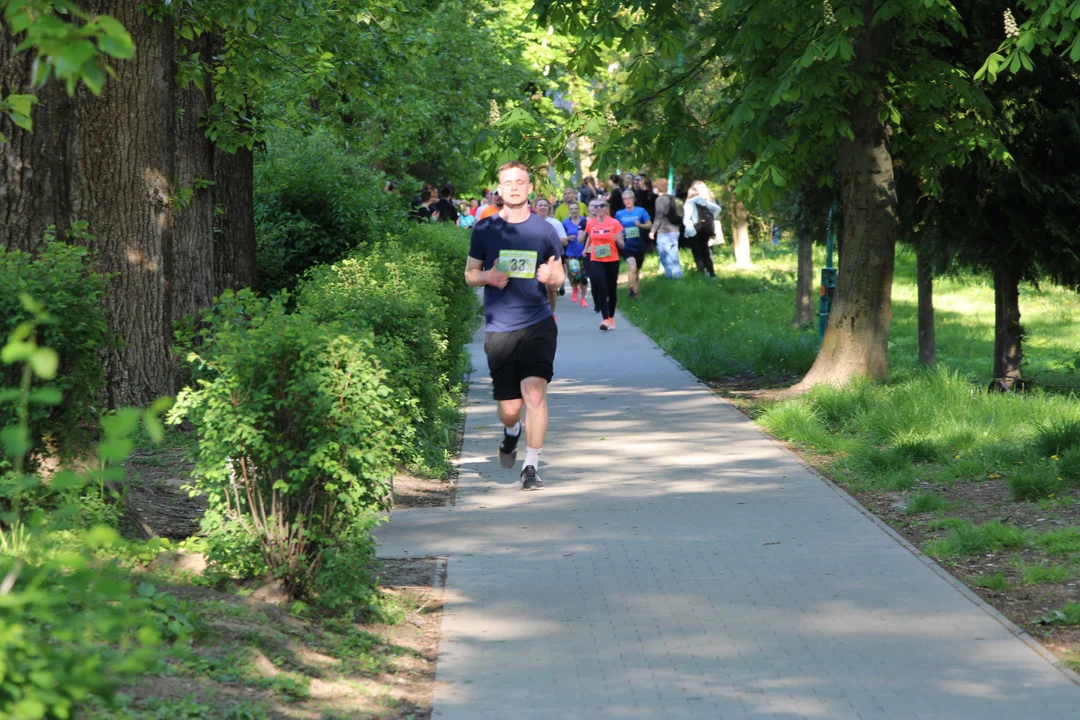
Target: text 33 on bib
517, 263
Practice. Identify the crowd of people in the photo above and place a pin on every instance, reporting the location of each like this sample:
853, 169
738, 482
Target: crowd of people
526, 247
631, 216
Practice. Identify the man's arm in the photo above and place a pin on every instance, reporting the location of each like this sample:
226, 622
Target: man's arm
477, 276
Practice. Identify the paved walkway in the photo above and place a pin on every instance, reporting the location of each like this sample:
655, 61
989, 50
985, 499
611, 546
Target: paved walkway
681, 565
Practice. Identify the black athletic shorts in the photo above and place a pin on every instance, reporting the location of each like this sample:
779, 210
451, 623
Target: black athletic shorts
516, 355
638, 255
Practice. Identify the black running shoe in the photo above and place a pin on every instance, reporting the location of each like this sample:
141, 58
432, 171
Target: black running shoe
562, 291
530, 480
508, 450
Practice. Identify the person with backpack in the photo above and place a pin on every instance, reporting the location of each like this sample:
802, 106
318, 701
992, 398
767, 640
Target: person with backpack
699, 225
665, 231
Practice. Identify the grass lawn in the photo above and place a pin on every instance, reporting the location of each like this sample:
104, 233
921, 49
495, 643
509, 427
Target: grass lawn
988, 484
740, 323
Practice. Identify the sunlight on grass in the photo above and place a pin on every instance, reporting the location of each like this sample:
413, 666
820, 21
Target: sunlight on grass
740, 324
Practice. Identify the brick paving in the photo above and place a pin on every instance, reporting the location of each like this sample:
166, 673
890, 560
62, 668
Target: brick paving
679, 564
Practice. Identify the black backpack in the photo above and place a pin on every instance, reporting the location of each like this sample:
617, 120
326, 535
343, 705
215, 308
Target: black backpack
705, 225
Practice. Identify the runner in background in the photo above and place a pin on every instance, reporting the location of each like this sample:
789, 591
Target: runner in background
636, 222
492, 209
614, 197
514, 256
574, 255
543, 209
603, 238
569, 200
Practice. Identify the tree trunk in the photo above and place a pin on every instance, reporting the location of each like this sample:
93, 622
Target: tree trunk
234, 231
740, 237
35, 167
804, 285
857, 337
1008, 352
122, 185
925, 281
192, 280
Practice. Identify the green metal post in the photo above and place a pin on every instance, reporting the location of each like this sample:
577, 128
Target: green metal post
671, 179
828, 275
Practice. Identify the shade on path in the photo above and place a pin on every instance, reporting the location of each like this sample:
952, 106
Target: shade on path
679, 564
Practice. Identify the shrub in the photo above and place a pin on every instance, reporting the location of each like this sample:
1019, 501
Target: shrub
72, 627
411, 295
61, 278
295, 430
314, 203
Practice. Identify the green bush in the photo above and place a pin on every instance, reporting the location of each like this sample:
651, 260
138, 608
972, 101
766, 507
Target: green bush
61, 277
295, 429
71, 627
314, 204
409, 293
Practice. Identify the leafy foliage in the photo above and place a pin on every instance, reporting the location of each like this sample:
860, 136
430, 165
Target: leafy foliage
295, 430
409, 294
60, 277
70, 45
71, 627
314, 203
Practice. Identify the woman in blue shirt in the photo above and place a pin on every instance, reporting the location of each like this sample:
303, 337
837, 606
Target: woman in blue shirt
635, 221
573, 253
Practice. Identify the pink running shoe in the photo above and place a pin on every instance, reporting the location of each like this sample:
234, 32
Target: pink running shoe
584, 302
573, 296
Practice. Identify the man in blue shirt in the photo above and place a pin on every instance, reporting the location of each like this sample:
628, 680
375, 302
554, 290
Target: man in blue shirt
635, 221
515, 256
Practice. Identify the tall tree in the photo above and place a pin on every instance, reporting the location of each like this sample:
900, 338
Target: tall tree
857, 83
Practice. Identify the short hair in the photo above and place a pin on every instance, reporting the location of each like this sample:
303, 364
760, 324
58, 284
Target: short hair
660, 185
542, 200
513, 165
569, 189
425, 195
447, 190
628, 192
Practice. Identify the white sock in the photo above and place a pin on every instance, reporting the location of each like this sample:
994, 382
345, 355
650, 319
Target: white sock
532, 457
514, 431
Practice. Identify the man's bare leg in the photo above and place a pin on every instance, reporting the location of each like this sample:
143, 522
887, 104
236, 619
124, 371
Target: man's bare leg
509, 412
632, 273
534, 390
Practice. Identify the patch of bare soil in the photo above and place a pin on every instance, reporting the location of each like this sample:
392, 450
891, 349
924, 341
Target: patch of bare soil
1024, 604
156, 504
256, 659
411, 491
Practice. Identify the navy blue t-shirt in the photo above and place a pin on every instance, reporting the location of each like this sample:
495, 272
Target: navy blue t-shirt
525, 245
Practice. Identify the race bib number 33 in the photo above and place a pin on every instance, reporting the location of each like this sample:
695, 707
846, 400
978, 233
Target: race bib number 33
517, 263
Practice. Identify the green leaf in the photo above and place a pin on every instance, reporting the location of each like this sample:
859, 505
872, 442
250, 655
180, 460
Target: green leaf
44, 362
46, 396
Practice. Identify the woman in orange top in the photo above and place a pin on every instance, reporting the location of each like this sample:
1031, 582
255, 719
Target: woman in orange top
603, 236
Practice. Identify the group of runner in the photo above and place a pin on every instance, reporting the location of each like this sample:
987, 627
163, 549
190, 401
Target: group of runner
522, 255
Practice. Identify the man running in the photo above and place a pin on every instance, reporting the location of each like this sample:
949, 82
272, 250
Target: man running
514, 256
634, 220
